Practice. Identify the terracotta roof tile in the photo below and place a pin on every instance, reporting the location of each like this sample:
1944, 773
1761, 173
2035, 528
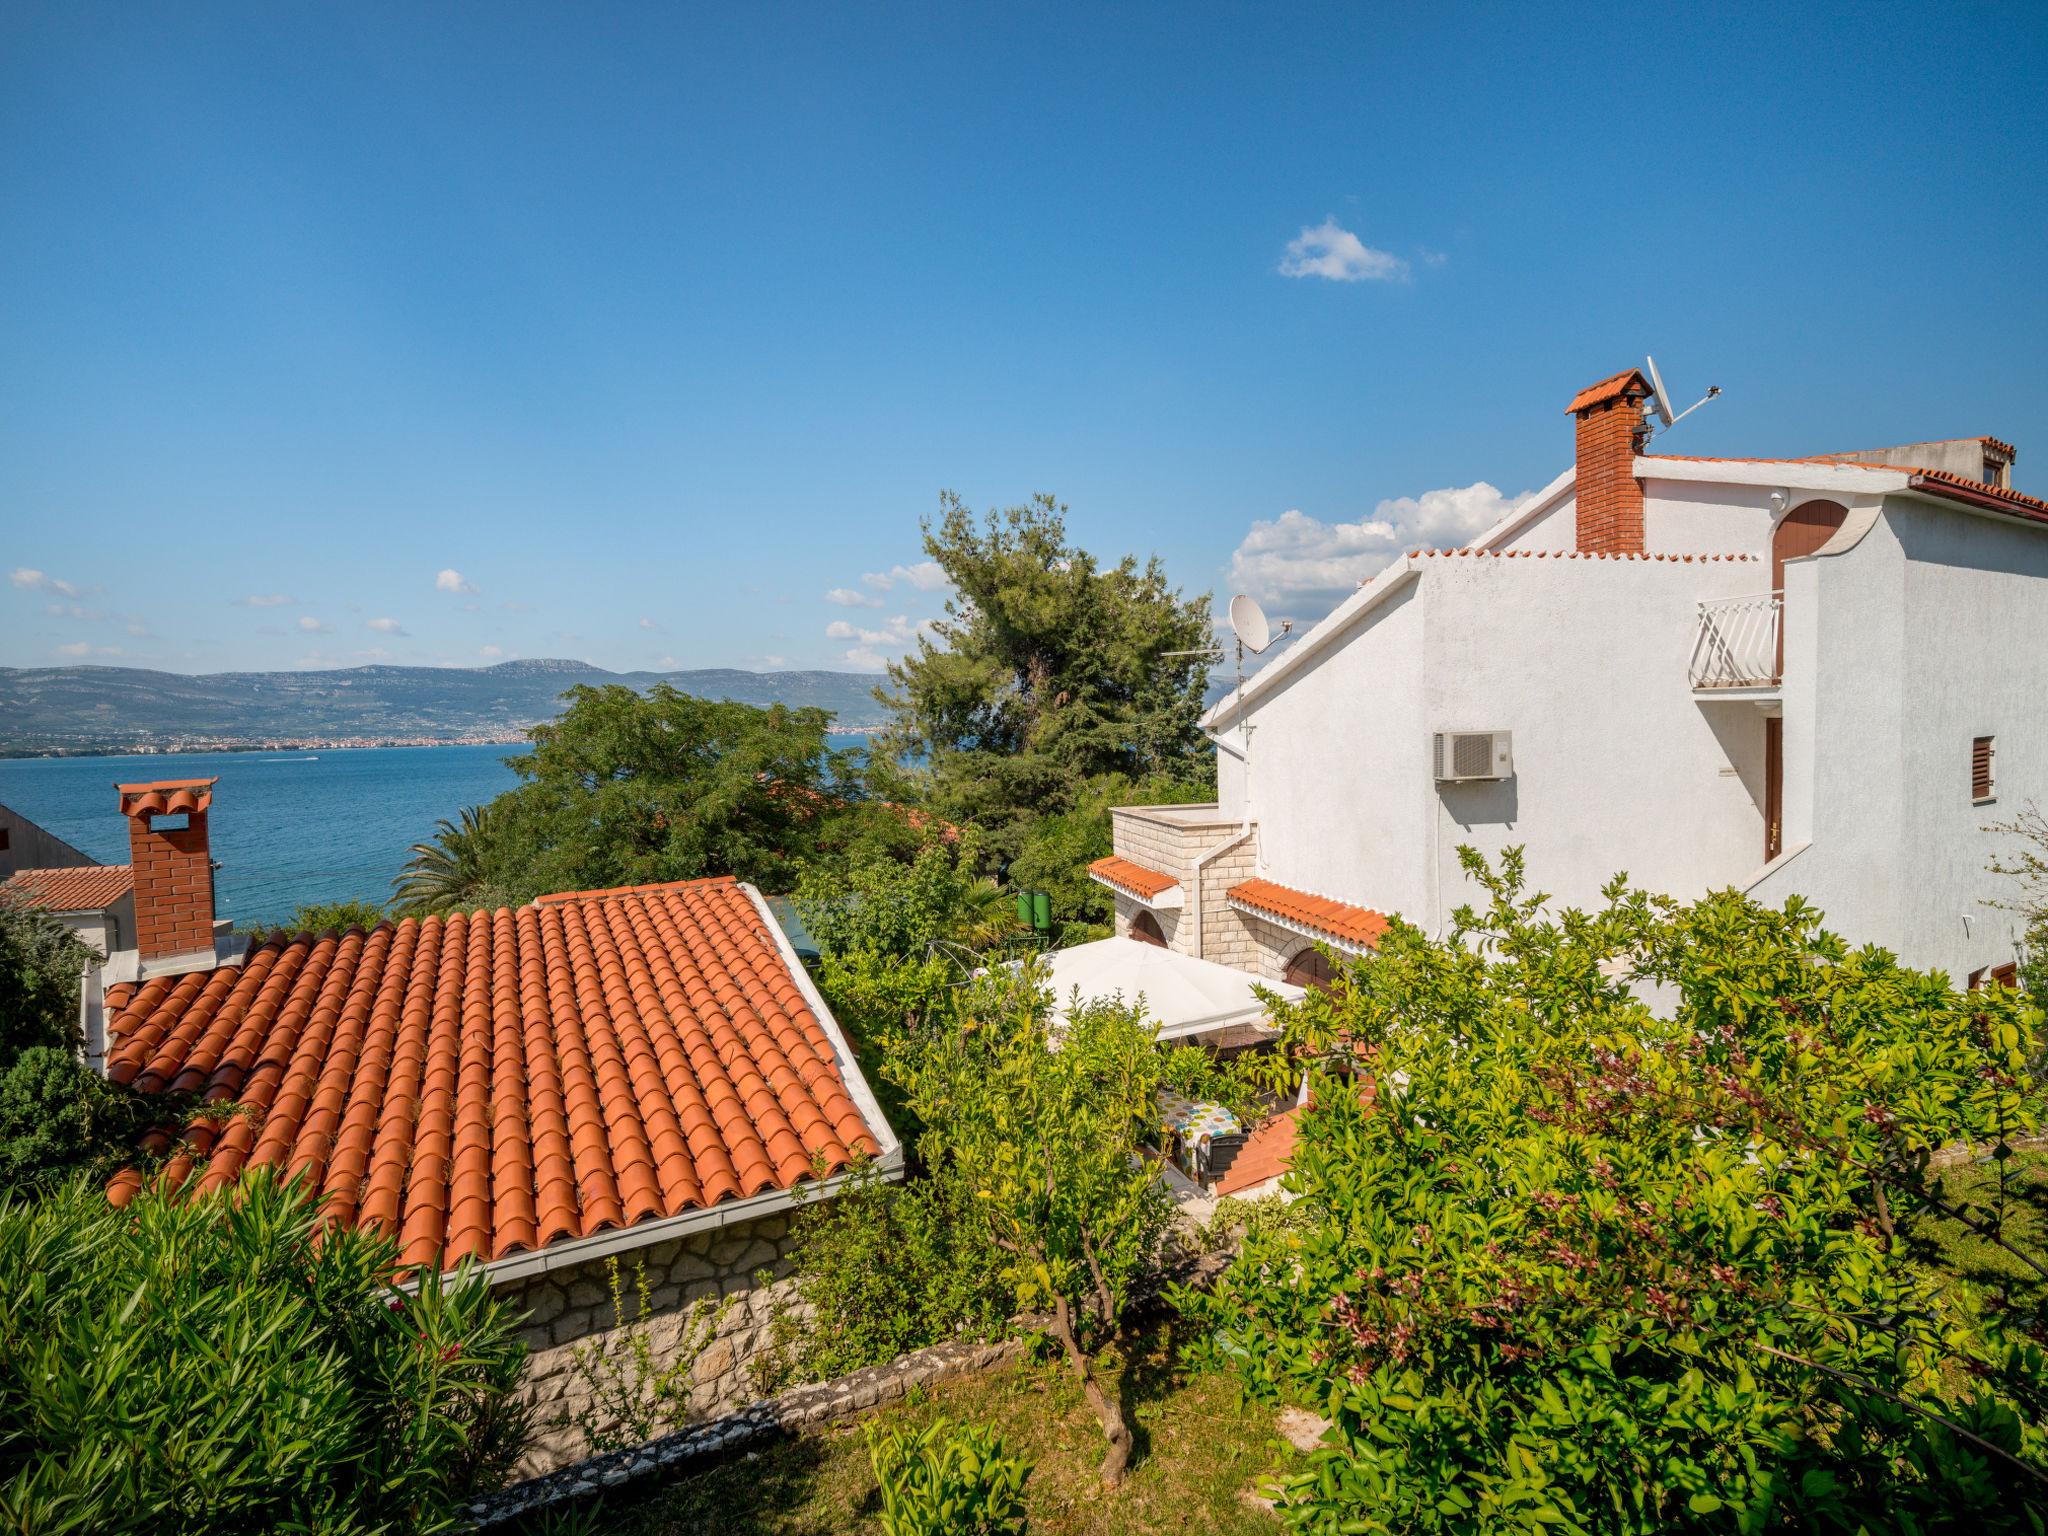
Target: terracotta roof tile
1337, 919
1135, 879
166, 797
1264, 1155
1466, 550
87, 889
494, 1082
1937, 482
1608, 389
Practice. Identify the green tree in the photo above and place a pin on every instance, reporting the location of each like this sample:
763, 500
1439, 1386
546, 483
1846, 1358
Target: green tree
42, 964
626, 788
1574, 1264
452, 871
1049, 673
1048, 1135
225, 1364
322, 917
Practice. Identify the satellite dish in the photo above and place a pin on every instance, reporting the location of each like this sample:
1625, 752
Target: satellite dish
1248, 623
1663, 405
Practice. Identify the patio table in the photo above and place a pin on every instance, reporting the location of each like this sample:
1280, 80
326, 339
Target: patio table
1190, 1125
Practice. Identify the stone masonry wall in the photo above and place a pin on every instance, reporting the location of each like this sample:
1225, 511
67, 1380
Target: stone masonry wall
1172, 849
744, 1267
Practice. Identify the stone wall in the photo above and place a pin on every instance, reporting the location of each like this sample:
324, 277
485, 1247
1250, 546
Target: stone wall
1171, 844
741, 1271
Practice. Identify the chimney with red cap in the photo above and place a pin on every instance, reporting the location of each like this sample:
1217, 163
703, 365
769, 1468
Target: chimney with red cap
1611, 433
173, 866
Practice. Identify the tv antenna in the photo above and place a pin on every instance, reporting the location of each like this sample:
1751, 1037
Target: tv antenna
1660, 402
1254, 633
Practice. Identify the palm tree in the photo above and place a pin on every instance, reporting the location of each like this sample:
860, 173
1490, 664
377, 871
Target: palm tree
449, 871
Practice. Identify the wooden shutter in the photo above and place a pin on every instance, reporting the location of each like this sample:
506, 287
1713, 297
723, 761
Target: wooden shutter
2006, 975
1980, 768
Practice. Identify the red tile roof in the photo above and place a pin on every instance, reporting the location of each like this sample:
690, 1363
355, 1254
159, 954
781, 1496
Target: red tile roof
1337, 919
166, 797
1608, 389
1264, 1155
91, 888
1135, 879
495, 1082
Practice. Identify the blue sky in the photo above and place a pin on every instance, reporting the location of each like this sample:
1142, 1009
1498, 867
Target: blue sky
444, 333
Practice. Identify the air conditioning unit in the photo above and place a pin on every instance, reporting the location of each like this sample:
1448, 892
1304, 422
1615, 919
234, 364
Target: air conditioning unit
1463, 757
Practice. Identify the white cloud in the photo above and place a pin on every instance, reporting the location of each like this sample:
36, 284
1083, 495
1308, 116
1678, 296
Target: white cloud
925, 576
311, 625
385, 626
1296, 558
77, 611
79, 648
492, 653
846, 597
1332, 251
43, 581
874, 647
452, 581
266, 600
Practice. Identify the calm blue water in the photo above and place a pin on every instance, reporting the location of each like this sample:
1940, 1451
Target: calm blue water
288, 828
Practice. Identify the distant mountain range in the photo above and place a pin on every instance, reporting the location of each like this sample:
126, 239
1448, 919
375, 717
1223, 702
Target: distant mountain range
74, 709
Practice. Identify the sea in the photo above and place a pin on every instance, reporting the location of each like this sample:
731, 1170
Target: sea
288, 828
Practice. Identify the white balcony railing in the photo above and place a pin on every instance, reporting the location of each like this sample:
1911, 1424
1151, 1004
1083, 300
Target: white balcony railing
1736, 645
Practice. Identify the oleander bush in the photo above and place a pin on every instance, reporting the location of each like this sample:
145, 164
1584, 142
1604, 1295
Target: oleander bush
1566, 1261
218, 1365
946, 1479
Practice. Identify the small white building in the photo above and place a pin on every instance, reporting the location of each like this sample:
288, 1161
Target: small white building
1818, 676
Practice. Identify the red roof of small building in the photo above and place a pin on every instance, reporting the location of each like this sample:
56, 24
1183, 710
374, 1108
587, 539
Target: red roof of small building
1337, 919
1263, 1157
1608, 389
90, 888
1135, 879
494, 1082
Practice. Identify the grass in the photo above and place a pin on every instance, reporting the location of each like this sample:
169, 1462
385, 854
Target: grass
1199, 1446
1972, 1259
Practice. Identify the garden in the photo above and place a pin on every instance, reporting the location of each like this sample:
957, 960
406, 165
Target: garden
1655, 1216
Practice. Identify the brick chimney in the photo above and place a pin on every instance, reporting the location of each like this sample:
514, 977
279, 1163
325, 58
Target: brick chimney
173, 866
1611, 434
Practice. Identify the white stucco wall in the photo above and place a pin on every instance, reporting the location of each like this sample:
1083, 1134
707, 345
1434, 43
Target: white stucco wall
1686, 518
1333, 760
1585, 662
1556, 529
1617, 765
1898, 652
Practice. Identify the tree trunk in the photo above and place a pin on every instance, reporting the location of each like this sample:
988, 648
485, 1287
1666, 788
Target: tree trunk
1117, 1459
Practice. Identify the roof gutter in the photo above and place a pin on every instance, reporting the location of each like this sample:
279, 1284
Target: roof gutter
616, 1240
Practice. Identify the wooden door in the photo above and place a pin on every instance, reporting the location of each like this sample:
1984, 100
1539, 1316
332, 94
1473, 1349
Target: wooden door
1774, 787
1310, 968
1802, 531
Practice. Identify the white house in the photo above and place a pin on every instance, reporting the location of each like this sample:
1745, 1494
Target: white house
1819, 676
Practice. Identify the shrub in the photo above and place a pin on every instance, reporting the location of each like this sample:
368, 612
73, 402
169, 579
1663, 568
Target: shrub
890, 1268
1574, 1265
947, 1479
46, 1115
219, 1364
635, 1388
41, 962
